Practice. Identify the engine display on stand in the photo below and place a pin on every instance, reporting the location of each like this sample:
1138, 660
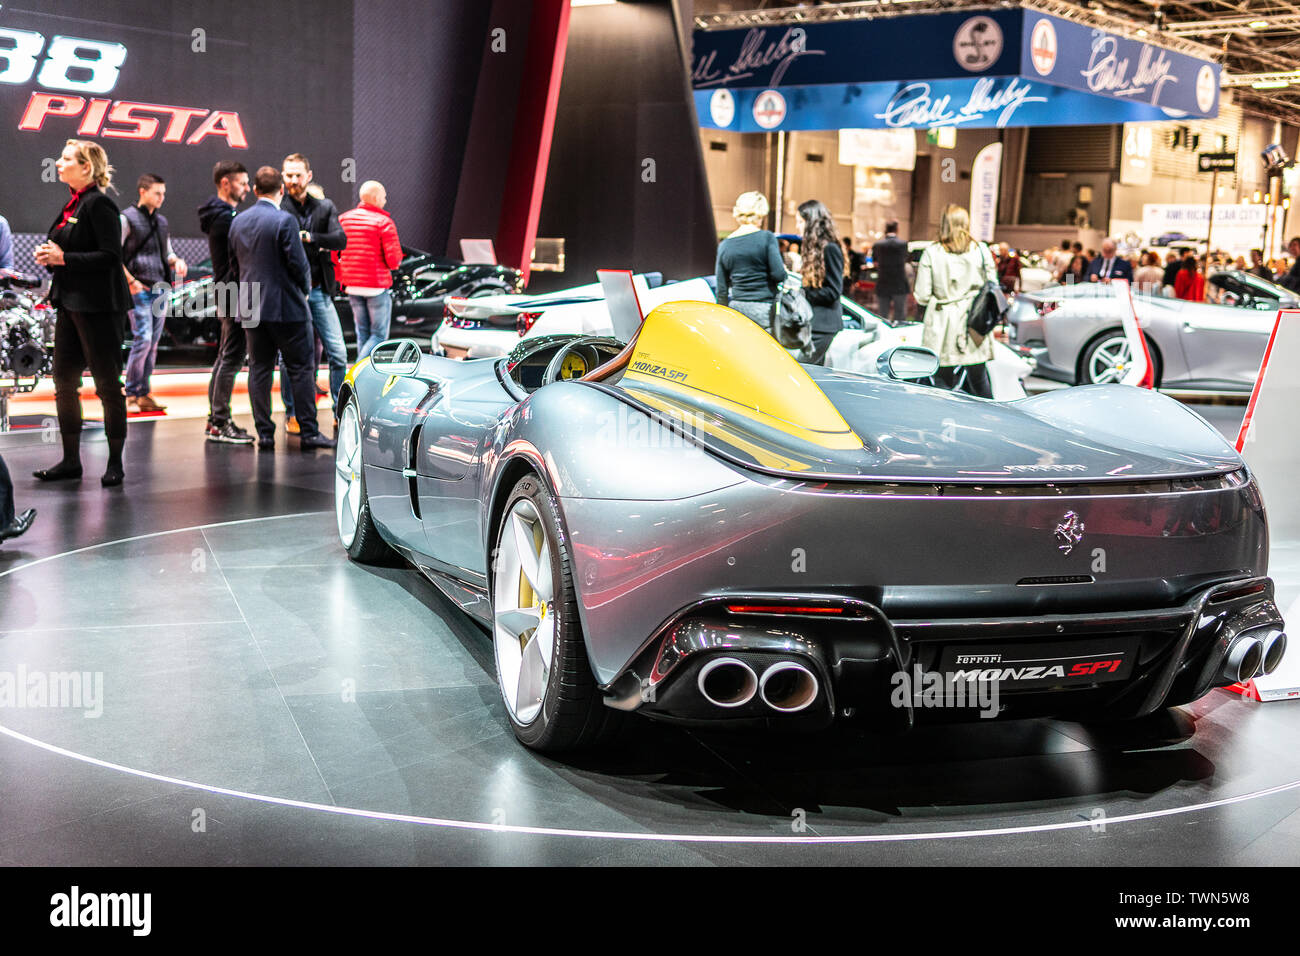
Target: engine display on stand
26, 338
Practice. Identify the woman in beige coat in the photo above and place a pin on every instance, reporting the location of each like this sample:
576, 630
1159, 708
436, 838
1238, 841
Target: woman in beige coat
951, 271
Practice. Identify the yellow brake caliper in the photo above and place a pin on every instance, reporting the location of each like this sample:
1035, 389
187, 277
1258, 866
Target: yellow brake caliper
527, 596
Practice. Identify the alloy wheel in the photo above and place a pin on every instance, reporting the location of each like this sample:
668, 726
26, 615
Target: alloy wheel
523, 604
1109, 361
347, 475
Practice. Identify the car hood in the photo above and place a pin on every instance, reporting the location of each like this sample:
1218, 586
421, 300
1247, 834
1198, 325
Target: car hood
916, 433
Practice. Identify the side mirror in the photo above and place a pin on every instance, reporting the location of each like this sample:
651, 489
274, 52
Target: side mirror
396, 357
907, 362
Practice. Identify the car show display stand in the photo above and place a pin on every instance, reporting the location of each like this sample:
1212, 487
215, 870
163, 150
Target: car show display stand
1268, 442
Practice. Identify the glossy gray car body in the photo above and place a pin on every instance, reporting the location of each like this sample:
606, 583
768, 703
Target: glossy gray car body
1198, 345
946, 522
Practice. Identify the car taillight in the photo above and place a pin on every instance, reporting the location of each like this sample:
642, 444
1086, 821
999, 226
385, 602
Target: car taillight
783, 609
525, 321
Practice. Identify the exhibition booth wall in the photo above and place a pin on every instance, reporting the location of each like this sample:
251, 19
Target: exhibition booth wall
389, 91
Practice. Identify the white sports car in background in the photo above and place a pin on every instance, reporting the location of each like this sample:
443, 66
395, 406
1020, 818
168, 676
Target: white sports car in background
488, 326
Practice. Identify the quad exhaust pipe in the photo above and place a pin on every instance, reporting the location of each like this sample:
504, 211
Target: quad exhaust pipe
1274, 649
728, 682
786, 686
1256, 653
1245, 655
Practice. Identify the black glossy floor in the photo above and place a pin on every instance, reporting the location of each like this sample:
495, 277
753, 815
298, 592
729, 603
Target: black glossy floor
266, 701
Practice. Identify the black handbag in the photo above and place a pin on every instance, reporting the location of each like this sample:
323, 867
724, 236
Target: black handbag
792, 315
987, 309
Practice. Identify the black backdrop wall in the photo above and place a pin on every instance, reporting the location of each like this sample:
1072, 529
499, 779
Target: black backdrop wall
387, 89
625, 99
376, 90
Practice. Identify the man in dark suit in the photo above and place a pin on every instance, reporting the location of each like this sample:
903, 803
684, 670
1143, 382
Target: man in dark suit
890, 255
11, 524
1292, 278
1109, 265
274, 280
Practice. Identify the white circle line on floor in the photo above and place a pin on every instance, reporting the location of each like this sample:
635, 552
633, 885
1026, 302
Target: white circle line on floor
156, 534
568, 832
633, 835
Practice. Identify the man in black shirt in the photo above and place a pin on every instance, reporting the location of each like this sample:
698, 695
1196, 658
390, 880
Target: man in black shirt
215, 217
890, 255
1292, 279
1173, 263
1257, 267
150, 267
321, 233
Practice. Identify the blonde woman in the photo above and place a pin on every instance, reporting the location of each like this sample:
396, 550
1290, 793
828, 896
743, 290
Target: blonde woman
749, 267
83, 252
951, 271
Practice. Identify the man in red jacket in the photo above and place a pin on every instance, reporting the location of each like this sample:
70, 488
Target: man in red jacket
365, 265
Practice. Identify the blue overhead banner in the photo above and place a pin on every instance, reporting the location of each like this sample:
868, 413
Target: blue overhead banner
856, 51
990, 101
1092, 61
993, 68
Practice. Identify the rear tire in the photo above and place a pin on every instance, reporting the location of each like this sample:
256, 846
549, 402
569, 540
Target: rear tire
542, 667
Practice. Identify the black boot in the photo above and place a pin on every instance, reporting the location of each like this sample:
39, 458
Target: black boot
114, 474
70, 467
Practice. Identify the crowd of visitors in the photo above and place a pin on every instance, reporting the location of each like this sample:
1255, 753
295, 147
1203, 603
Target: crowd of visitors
288, 255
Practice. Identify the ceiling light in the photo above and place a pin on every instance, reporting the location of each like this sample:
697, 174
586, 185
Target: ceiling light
1258, 24
1270, 84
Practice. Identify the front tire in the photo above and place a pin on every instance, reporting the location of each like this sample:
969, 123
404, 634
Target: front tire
542, 667
357, 531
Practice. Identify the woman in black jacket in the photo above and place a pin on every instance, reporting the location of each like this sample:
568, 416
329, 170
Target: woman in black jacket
83, 251
823, 275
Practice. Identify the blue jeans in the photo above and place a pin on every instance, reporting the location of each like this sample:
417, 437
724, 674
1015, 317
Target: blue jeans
325, 322
146, 330
372, 315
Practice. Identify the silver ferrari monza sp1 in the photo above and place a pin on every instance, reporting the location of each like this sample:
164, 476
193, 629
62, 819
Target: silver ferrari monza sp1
695, 527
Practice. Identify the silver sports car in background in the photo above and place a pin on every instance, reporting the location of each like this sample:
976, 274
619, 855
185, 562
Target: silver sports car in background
1074, 333
695, 527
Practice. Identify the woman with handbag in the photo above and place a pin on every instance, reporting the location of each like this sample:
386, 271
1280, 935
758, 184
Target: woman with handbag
749, 268
951, 274
84, 253
823, 275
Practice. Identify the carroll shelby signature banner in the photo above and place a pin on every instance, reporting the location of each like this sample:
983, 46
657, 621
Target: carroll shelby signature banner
978, 69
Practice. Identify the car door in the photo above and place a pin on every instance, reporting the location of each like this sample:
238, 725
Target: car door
1224, 344
447, 442
387, 451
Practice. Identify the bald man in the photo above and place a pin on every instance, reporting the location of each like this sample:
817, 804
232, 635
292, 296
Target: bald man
1109, 265
365, 266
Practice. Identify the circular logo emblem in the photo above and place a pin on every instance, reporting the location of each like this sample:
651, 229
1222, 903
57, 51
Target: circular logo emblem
1205, 89
769, 109
722, 107
1042, 47
978, 44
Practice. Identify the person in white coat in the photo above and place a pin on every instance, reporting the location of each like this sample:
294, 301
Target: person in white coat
950, 273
